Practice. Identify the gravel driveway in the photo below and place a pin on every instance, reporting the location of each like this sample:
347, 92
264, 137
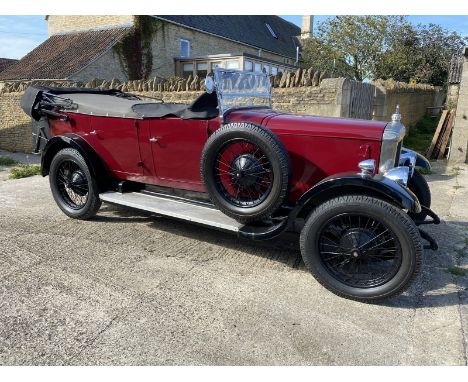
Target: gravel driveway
135, 289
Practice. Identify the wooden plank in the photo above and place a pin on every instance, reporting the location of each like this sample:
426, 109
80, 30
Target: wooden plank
436, 134
435, 153
445, 138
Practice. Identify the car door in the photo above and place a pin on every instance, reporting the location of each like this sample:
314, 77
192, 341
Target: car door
176, 147
116, 142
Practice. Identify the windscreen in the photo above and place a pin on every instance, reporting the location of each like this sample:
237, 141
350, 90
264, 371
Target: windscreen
236, 89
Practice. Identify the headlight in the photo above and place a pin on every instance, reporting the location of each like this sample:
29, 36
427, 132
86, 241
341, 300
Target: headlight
392, 139
398, 174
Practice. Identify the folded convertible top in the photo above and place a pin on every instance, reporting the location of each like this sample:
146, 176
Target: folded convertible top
112, 103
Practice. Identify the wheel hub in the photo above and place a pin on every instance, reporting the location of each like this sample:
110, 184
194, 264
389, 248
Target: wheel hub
246, 169
353, 239
359, 250
78, 182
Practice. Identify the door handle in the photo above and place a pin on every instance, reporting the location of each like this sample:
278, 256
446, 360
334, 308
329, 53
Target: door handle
154, 139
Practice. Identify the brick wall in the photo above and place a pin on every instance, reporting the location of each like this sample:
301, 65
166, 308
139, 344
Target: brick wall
61, 24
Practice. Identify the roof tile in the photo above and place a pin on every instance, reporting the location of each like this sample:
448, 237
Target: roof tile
62, 55
250, 30
6, 62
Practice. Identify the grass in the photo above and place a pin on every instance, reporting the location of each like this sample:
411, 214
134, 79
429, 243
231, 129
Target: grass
457, 271
424, 171
7, 161
419, 137
24, 171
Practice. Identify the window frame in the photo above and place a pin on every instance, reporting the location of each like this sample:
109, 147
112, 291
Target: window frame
237, 61
184, 40
251, 63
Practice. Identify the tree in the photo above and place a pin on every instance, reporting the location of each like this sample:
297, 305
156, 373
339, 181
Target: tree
349, 45
372, 47
421, 53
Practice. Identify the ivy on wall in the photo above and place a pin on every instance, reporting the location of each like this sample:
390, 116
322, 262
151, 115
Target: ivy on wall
135, 51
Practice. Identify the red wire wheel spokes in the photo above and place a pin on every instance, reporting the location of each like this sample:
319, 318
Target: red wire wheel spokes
243, 173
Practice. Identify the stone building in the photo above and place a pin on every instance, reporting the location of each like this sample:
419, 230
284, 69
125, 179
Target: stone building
459, 146
82, 48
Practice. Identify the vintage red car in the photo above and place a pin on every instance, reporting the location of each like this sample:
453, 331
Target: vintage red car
231, 162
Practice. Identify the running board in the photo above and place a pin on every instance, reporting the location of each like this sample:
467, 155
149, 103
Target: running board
200, 213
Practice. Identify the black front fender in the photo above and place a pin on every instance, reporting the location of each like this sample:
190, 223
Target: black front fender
421, 161
96, 166
356, 184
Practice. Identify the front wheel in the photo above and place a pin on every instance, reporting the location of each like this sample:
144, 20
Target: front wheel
73, 187
361, 248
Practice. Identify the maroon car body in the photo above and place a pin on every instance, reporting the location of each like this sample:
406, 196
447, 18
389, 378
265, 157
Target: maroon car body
231, 162
174, 160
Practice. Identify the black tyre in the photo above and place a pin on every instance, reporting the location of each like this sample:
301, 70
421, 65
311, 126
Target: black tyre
418, 185
361, 248
73, 188
245, 169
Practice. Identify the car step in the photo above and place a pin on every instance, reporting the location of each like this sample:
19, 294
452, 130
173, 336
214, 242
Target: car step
196, 212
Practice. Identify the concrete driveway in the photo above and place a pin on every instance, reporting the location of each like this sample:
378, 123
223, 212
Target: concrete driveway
134, 289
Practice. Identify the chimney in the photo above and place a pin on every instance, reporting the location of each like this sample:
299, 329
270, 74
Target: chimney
307, 27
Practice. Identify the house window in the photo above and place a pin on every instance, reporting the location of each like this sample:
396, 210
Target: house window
271, 30
202, 69
266, 69
274, 70
248, 65
232, 64
184, 48
187, 70
216, 64
258, 67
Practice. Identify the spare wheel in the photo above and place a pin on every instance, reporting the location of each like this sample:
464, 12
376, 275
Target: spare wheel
246, 171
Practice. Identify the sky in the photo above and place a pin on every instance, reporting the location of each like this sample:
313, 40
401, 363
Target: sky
21, 34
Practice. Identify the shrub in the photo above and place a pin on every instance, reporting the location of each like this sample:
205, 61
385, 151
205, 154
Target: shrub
7, 161
23, 171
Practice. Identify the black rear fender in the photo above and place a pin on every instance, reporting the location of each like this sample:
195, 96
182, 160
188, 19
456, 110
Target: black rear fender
96, 166
356, 184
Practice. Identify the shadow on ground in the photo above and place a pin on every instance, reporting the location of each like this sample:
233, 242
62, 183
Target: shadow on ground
429, 289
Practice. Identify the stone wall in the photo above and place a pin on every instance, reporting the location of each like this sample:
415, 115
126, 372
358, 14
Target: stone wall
61, 24
413, 100
15, 125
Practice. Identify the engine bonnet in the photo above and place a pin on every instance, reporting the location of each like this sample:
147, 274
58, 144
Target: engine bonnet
326, 126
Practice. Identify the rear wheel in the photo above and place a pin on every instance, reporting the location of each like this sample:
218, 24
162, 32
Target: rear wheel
361, 248
73, 188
